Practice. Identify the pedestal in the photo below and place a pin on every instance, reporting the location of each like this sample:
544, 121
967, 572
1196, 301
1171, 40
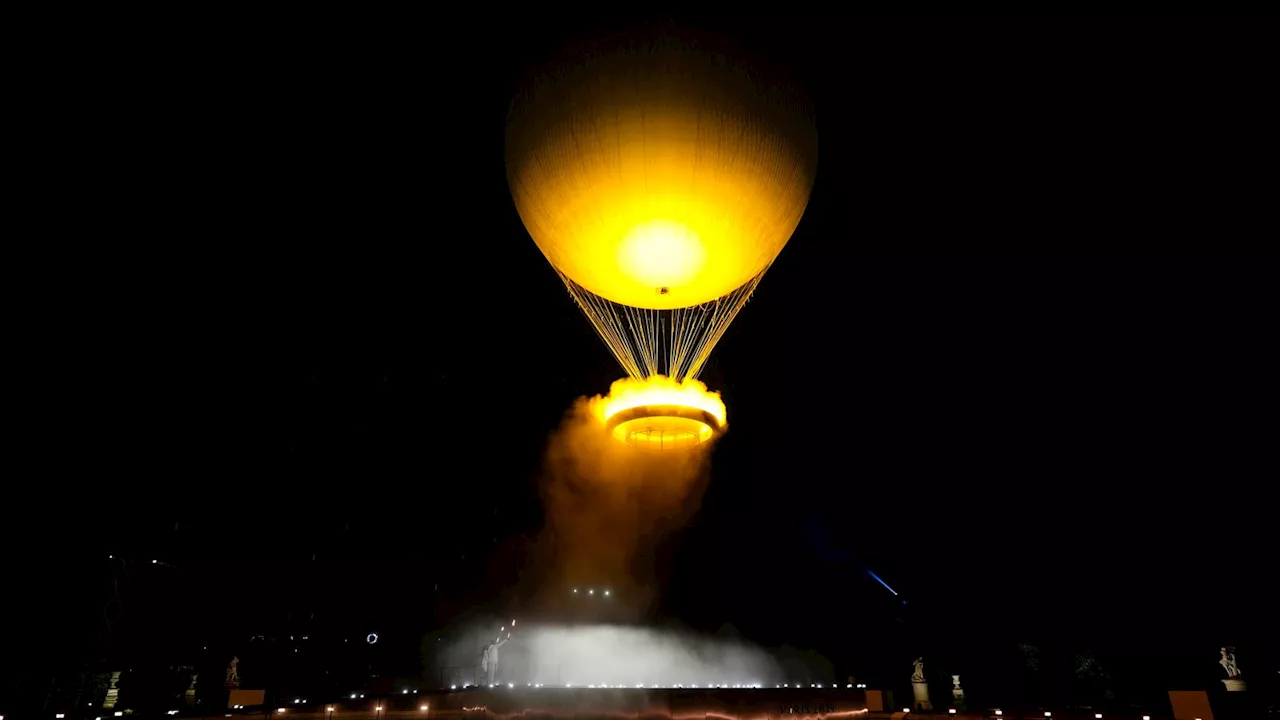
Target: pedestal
1234, 684
246, 698
921, 691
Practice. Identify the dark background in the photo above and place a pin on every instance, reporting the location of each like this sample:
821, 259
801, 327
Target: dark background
1016, 358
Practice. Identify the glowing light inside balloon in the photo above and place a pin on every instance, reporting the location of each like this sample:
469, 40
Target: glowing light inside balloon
662, 254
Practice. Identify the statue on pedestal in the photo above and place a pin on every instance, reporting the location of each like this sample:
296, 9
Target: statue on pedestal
957, 692
920, 688
1228, 663
113, 691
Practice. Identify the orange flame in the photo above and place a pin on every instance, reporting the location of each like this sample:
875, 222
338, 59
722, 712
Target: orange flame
629, 393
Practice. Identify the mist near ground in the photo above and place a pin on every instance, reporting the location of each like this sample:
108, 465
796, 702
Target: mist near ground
613, 655
583, 613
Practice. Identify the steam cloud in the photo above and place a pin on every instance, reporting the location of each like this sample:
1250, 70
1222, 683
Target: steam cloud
609, 507
618, 655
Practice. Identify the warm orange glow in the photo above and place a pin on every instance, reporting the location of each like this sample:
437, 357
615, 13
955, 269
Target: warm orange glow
662, 254
660, 413
630, 393
662, 177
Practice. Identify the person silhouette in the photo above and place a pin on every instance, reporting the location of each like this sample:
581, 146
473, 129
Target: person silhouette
491, 657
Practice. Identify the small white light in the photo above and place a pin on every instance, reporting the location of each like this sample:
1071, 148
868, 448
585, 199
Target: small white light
423, 708
1146, 717
848, 685
1098, 716
951, 711
404, 692
453, 687
606, 592
60, 715
591, 592
353, 696
377, 707
329, 709
575, 590
510, 685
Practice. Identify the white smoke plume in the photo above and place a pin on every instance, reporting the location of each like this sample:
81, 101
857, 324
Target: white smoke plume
616, 655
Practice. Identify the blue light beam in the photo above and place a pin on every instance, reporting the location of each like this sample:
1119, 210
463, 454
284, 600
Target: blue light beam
885, 584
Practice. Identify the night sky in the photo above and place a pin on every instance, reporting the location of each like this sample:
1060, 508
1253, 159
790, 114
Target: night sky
1015, 359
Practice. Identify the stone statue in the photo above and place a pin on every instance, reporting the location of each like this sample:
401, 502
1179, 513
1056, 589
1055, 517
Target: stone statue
233, 673
1228, 662
920, 688
113, 691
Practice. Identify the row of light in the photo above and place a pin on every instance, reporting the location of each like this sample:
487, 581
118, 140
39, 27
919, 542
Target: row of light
860, 686
424, 707
118, 714
1047, 714
590, 591
330, 709
279, 711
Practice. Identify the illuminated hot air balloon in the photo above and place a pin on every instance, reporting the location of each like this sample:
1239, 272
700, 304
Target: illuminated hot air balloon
660, 176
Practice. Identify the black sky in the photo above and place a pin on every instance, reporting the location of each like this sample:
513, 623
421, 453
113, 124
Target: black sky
1016, 357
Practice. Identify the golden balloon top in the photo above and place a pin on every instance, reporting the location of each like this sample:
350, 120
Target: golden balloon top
660, 173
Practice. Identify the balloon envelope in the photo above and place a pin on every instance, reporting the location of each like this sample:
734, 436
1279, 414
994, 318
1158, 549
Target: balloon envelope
659, 174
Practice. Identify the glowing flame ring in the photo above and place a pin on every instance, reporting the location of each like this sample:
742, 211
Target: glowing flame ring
689, 426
